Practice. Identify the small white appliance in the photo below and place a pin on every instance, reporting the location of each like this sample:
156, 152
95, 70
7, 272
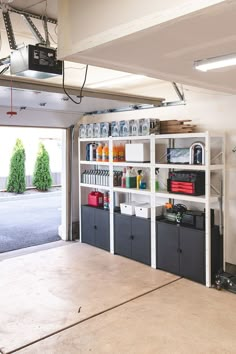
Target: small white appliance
137, 152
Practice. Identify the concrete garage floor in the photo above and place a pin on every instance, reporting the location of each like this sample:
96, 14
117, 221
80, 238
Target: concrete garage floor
79, 299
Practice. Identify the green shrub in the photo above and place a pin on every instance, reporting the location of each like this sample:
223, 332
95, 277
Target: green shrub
16, 180
42, 179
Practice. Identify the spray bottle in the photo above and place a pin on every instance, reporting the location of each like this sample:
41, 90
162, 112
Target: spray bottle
156, 180
138, 179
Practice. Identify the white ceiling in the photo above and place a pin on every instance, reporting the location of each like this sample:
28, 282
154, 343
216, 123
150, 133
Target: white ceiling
30, 102
165, 52
74, 72
38, 7
168, 51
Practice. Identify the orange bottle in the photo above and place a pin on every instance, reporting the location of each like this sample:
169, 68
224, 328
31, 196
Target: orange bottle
99, 152
121, 153
115, 154
105, 153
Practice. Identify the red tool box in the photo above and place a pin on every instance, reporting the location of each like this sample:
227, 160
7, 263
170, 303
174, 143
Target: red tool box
182, 187
186, 182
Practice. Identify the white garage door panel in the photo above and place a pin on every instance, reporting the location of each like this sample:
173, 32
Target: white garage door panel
45, 105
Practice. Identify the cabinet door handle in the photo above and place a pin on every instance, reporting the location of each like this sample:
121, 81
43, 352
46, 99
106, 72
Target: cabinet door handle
95, 227
131, 237
179, 250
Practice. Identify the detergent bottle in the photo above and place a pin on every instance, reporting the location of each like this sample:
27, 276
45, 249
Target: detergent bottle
115, 154
105, 153
138, 179
156, 179
121, 152
99, 152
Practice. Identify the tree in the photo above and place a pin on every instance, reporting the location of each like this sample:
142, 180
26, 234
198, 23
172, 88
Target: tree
42, 179
16, 180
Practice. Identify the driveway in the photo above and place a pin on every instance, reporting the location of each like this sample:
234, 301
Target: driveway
26, 222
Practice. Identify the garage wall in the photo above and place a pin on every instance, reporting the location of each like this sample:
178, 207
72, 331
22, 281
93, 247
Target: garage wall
209, 111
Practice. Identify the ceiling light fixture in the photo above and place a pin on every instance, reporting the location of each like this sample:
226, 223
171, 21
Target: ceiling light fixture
216, 62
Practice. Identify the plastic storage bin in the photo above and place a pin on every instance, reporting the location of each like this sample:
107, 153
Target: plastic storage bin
144, 210
128, 208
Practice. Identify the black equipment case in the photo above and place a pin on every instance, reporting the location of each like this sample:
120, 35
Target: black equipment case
186, 182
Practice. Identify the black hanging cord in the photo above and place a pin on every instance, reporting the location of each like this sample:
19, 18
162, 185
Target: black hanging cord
81, 90
4, 70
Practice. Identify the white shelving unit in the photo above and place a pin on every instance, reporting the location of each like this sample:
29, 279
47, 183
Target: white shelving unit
206, 201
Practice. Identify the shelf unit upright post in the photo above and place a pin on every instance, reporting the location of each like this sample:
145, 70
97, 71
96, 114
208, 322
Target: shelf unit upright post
224, 230
111, 196
153, 200
79, 189
207, 210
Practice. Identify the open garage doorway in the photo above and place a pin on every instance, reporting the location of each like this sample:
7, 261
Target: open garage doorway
30, 214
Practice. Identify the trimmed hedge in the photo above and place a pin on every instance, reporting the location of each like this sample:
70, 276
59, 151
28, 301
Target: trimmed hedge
16, 180
42, 179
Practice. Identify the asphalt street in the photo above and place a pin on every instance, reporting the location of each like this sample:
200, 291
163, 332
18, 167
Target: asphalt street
29, 222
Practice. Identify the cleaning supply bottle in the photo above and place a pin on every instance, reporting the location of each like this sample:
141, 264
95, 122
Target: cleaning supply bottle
92, 152
105, 153
156, 179
121, 153
131, 176
115, 154
99, 152
138, 179
123, 179
127, 177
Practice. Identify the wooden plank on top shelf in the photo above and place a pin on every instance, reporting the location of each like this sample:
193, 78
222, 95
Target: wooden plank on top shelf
177, 130
173, 122
178, 126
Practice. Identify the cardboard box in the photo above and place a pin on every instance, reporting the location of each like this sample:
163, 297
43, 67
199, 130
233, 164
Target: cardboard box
89, 131
124, 128
105, 130
97, 130
82, 131
134, 127
149, 126
115, 129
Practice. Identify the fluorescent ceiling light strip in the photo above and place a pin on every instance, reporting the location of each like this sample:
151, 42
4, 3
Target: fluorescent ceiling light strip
215, 63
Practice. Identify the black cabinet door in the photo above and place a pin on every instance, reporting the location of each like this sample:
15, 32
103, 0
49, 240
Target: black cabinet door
141, 240
87, 216
168, 247
102, 229
192, 256
122, 231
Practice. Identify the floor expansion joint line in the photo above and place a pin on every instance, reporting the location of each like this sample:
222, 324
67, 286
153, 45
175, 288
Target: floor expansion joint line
90, 317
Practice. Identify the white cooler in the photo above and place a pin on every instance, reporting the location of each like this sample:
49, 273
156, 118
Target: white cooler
144, 210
